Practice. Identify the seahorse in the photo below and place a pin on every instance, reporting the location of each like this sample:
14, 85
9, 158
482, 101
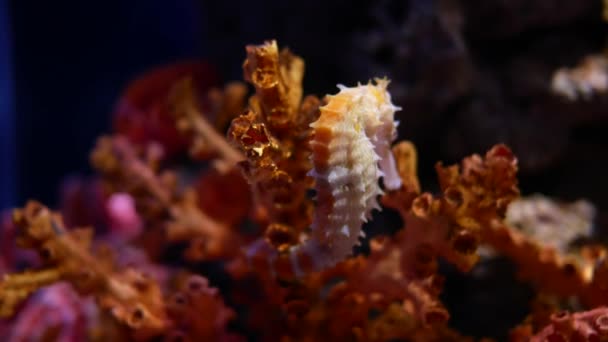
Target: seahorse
351, 151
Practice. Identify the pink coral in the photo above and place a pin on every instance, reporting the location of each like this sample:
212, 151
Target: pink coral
581, 326
123, 218
55, 313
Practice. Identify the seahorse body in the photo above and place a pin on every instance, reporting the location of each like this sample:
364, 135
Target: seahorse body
350, 152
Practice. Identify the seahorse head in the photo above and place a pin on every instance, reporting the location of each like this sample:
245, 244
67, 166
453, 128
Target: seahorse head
373, 109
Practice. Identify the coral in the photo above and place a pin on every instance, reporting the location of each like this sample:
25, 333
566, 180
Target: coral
199, 312
583, 81
260, 234
400, 274
205, 139
452, 224
57, 313
449, 225
558, 225
124, 220
564, 326
143, 113
541, 236
581, 273
10, 255
158, 198
131, 296
274, 135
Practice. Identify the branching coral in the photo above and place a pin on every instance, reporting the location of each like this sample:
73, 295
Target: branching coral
274, 135
472, 197
447, 226
205, 139
132, 298
564, 326
586, 80
580, 274
293, 277
399, 278
583, 81
351, 137
143, 113
158, 198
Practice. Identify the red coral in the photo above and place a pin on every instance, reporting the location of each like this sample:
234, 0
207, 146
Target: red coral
216, 189
564, 326
56, 313
199, 313
143, 113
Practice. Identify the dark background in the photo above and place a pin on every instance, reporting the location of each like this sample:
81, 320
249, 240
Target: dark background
468, 74
70, 62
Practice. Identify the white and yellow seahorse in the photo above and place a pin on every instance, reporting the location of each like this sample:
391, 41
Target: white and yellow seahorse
351, 151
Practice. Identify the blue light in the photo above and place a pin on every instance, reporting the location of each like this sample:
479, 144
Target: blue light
7, 124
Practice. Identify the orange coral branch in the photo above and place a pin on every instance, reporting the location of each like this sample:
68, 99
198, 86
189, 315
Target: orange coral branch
131, 297
274, 136
581, 326
15, 288
277, 79
565, 275
447, 225
157, 197
472, 197
190, 120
